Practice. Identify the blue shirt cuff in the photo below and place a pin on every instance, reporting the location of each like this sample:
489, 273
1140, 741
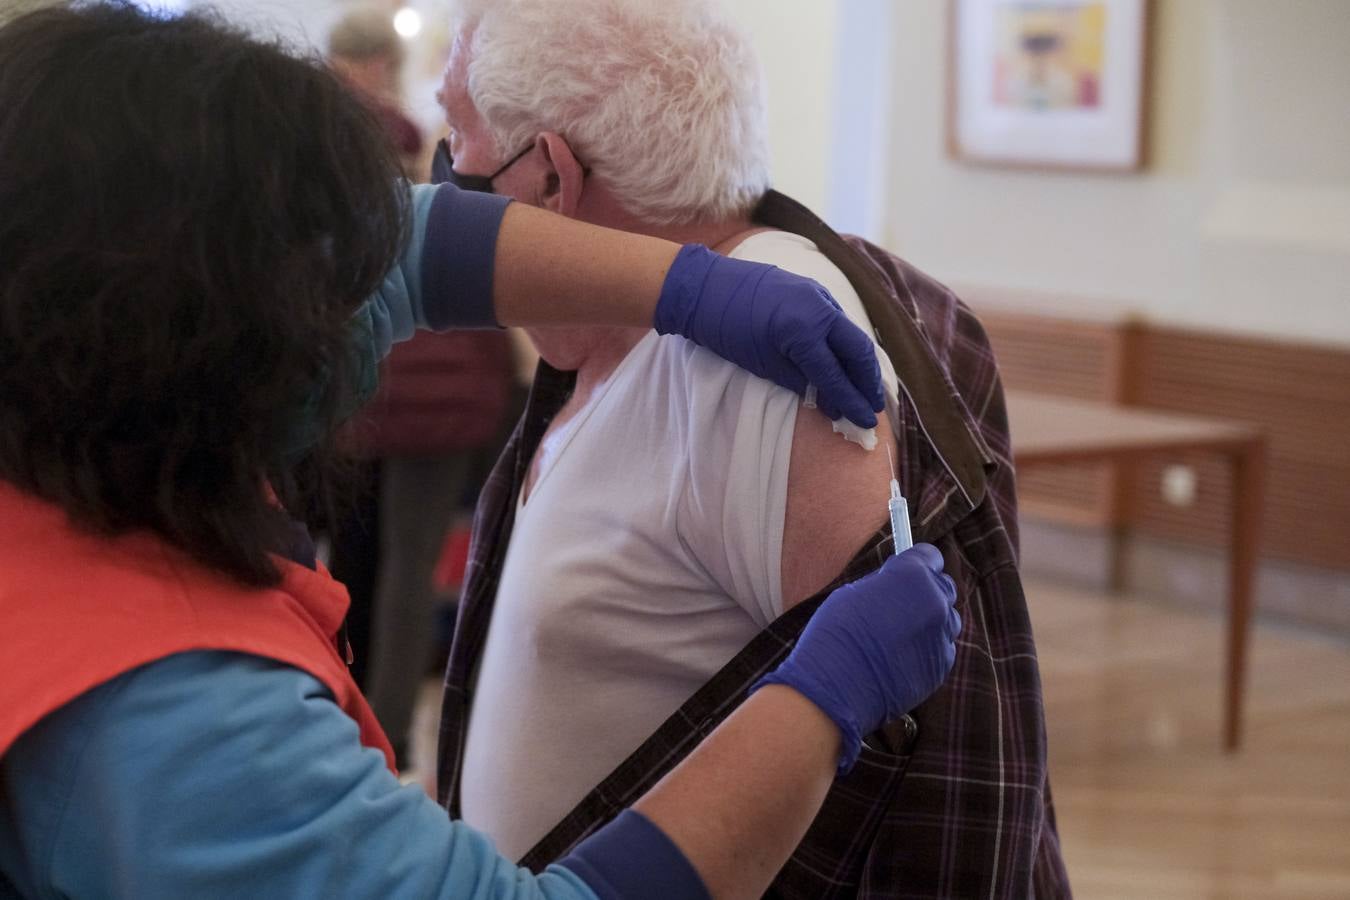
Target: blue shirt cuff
458, 258
630, 857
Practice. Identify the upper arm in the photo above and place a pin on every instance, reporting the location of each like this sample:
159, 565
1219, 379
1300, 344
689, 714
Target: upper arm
776, 504
837, 492
836, 499
217, 774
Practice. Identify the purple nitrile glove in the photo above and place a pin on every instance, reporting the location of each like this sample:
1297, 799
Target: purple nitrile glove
876, 648
776, 325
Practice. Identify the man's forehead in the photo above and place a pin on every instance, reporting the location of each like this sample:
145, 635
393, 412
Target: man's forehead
454, 78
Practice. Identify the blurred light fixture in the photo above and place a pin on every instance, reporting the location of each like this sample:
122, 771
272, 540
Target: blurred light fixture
408, 22
163, 7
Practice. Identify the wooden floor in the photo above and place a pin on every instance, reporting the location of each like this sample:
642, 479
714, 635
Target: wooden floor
1149, 806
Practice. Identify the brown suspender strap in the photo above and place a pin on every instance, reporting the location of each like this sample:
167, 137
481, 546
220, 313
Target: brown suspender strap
921, 378
707, 708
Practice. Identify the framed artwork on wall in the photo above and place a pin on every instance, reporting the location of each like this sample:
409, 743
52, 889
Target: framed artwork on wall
1057, 84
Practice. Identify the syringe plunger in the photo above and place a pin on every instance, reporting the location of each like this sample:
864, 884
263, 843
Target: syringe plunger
900, 520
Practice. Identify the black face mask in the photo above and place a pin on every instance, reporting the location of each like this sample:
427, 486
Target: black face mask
443, 170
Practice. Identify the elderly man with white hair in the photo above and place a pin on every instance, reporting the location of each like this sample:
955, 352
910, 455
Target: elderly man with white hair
615, 572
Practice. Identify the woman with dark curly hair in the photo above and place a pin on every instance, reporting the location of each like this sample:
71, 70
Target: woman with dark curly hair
202, 256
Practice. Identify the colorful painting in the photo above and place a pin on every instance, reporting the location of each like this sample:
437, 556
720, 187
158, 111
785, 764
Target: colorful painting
1049, 83
1050, 55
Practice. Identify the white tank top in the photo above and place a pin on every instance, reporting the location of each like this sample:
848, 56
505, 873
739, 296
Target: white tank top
647, 556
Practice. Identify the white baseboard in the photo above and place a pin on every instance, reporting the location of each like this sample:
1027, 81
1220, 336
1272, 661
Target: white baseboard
1187, 575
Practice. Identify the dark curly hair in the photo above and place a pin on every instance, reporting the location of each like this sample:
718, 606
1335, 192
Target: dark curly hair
188, 219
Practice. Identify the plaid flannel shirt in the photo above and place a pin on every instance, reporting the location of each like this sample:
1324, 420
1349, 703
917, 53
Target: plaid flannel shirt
953, 802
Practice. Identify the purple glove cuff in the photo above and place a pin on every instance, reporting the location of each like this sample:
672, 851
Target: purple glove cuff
459, 258
632, 857
681, 289
791, 675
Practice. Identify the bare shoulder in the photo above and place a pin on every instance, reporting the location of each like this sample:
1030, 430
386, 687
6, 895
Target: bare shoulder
836, 500
837, 491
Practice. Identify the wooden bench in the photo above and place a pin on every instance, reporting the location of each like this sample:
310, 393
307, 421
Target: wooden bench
1050, 430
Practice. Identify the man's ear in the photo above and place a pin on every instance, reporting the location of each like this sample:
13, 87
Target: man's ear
563, 177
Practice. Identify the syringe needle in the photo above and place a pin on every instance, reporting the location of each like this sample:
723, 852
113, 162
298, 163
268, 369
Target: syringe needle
899, 511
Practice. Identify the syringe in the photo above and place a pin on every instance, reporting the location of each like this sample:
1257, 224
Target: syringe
899, 512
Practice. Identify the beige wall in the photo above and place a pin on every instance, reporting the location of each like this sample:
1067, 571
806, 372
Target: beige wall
795, 40
1241, 221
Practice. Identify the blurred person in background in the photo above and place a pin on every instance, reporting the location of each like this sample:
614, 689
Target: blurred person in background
203, 248
624, 589
367, 52
440, 409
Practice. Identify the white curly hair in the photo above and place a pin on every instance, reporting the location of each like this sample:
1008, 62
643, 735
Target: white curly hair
663, 99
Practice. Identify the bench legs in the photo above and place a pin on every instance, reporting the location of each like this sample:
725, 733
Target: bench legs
1248, 474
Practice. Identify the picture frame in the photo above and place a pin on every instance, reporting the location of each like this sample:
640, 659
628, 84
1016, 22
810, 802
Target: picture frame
1048, 84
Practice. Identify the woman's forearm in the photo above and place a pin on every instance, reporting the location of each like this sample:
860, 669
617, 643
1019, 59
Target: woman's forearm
475, 261
740, 803
551, 270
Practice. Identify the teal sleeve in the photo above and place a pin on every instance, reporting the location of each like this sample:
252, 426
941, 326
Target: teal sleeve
442, 280
211, 775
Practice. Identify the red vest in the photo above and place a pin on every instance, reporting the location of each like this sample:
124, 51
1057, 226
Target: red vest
78, 610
